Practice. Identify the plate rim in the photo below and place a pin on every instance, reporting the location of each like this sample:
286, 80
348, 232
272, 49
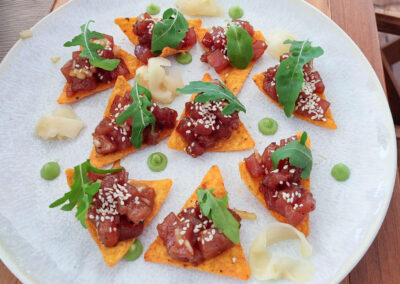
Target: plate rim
19, 272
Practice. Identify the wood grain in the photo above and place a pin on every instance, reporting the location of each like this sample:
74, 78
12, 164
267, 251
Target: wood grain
19, 15
322, 5
356, 18
381, 264
388, 22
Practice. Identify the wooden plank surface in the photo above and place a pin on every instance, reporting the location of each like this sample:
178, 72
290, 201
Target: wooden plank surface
18, 15
381, 264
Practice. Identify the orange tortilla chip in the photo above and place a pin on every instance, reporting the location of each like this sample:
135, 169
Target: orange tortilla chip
254, 183
239, 140
233, 77
98, 160
112, 255
131, 62
223, 264
126, 25
329, 123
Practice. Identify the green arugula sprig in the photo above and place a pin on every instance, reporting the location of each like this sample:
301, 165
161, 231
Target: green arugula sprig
82, 191
212, 92
298, 153
216, 209
289, 78
239, 46
138, 111
89, 49
169, 32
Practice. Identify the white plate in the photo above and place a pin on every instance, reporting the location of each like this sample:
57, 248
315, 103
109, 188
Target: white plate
49, 246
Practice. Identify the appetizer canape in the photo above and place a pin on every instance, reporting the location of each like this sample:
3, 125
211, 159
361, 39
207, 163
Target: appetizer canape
153, 37
210, 121
115, 210
204, 235
131, 121
232, 51
96, 66
295, 86
280, 179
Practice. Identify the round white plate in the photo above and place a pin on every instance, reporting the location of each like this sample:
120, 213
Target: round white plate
49, 246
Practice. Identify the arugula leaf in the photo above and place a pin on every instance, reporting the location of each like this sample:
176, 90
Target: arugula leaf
138, 111
212, 92
82, 191
89, 49
216, 209
289, 78
240, 46
298, 153
169, 32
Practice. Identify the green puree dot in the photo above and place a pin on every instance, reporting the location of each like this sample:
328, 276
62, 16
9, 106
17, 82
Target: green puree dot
50, 170
134, 251
157, 162
153, 9
184, 58
235, 12
340, 172
267, 126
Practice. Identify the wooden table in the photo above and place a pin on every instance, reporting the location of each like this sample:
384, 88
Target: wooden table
381, 264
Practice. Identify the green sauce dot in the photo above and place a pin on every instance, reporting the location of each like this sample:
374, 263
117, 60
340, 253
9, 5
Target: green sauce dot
157, 162
134, 251
184, 58
267, 126
340, 172
153, 9
50, 170
235, 12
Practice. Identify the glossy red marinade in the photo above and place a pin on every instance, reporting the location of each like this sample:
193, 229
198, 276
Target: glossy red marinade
309, 102
143, 28
281, 187
204, 125
109, 137
191, 236
119, 209
216, 43
83, 76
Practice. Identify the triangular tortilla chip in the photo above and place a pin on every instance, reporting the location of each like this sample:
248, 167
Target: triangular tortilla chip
230, 263
254, 183
98, 160
329, 123
239, 140
112, 255
131, 62
126, 25
232, 77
